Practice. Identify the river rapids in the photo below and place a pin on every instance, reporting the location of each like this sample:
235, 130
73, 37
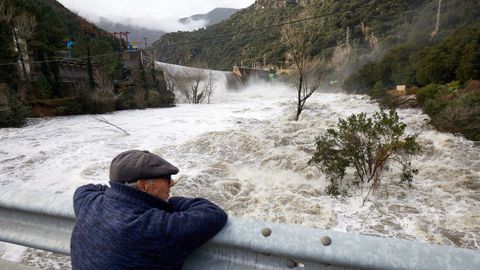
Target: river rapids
247, 154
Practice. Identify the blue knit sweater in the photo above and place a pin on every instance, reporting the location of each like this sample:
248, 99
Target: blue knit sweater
123, 228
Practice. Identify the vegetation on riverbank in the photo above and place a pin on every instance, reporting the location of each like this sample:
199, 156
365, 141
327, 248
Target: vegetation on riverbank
40, 76
453, 108
444, 77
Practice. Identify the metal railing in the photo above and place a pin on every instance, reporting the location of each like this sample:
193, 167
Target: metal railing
45, 221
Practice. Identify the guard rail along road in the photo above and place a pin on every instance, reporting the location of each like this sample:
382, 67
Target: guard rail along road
45, 221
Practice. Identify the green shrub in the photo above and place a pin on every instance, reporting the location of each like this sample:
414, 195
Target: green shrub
454, 85
43, 87
379, 90
15, 113
368, 145
434, 106
412, 90
427, 92
153, 99
125, 101
459, 115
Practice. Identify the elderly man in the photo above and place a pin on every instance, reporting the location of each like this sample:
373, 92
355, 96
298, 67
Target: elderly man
133, 224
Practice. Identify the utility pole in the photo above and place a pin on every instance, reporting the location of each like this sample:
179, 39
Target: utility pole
348, 36
126, 37
145, 41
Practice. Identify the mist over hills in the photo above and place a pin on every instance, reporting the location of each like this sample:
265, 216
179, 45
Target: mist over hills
213, 17
137, 34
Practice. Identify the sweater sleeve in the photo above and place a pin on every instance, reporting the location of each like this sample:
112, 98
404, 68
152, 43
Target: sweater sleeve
194, 222
85, 193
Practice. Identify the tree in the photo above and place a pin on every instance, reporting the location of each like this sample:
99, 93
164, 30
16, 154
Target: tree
194, 88
149, 58
369, 145
170, 81
196, 84
8, 73
99, 54
298, 38
191, 84
209, 86
103, 82
23, 29
14, 113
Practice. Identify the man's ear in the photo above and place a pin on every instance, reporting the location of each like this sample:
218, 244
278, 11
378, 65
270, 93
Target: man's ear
141, 185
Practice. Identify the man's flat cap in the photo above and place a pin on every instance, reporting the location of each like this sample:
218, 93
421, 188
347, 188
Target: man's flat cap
133, 165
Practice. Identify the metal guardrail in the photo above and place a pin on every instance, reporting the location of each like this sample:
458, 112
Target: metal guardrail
45, 221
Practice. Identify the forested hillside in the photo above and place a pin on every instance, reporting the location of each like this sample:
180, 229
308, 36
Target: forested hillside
53, 25
41, 76
373, 28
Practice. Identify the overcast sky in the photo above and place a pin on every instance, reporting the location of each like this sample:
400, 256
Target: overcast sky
156, 14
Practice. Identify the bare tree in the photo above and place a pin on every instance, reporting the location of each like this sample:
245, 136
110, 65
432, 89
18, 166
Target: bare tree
209, 86
195, 84
23, 29
298, 38
149, 57
171, 78
170, 82
104, 83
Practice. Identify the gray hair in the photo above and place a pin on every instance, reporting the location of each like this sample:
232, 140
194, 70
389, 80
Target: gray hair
134, 184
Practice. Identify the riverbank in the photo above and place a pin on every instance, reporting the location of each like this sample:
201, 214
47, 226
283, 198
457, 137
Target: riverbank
29, 100
452, 107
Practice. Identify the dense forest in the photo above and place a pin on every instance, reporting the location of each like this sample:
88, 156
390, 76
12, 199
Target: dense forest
431, 46
36, 66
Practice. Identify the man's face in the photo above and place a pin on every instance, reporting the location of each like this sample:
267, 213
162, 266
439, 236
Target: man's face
159, 187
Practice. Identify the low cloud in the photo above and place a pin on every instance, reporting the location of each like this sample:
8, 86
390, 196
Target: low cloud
162, 24
153, 14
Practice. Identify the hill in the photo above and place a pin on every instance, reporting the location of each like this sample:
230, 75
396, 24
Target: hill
373, 29
213, 17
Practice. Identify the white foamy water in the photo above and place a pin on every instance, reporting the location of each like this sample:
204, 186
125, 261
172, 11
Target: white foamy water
245, 153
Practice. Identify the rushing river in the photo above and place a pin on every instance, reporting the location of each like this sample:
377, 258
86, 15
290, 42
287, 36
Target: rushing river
245, 153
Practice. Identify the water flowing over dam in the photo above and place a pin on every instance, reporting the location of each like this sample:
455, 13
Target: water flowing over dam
247, 154
222, 80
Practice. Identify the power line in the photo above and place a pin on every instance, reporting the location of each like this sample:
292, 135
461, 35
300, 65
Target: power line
267, 27
218, 37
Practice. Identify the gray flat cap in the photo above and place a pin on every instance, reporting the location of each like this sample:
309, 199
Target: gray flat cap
133, 165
